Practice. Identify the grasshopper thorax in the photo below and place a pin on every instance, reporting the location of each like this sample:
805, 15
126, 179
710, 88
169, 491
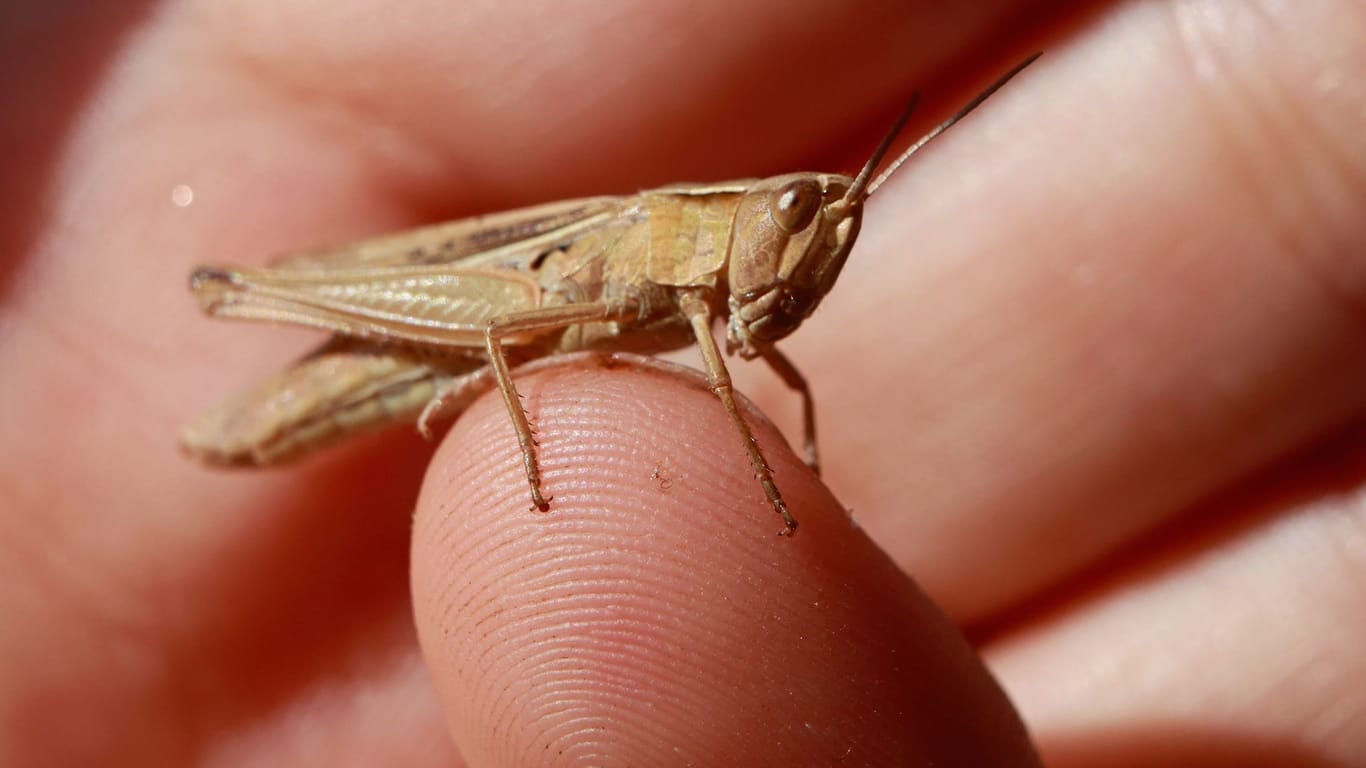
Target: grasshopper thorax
792, 236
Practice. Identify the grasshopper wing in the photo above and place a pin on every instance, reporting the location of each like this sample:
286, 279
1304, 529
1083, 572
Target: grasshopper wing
413, 287
457, 241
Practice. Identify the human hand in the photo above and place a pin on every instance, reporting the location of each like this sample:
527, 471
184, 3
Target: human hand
1031, 416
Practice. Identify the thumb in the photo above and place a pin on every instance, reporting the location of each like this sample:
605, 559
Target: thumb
652, 617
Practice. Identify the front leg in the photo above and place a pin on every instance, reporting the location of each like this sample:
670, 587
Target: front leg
794, 379
699, 317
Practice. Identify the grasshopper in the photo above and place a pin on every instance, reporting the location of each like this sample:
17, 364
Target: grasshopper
425, 320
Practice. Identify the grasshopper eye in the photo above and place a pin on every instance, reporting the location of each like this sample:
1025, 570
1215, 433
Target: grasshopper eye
794, 205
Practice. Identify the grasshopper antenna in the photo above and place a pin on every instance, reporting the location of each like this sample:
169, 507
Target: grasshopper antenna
856, 191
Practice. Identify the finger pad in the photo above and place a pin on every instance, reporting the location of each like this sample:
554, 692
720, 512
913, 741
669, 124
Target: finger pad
652, 616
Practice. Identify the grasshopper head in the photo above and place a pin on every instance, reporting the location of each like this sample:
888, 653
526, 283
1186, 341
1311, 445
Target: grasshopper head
793, 234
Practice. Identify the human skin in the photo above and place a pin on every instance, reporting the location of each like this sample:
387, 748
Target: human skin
1093, 379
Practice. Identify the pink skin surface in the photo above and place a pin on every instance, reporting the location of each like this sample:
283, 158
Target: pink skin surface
1094, 376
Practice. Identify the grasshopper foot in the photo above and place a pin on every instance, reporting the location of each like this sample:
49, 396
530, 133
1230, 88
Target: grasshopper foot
436, 410
789, 522
539, 502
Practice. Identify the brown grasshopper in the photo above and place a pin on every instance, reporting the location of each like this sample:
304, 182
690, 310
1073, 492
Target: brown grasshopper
427, 319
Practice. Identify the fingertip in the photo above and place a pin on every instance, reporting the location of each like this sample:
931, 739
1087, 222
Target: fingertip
653, 617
